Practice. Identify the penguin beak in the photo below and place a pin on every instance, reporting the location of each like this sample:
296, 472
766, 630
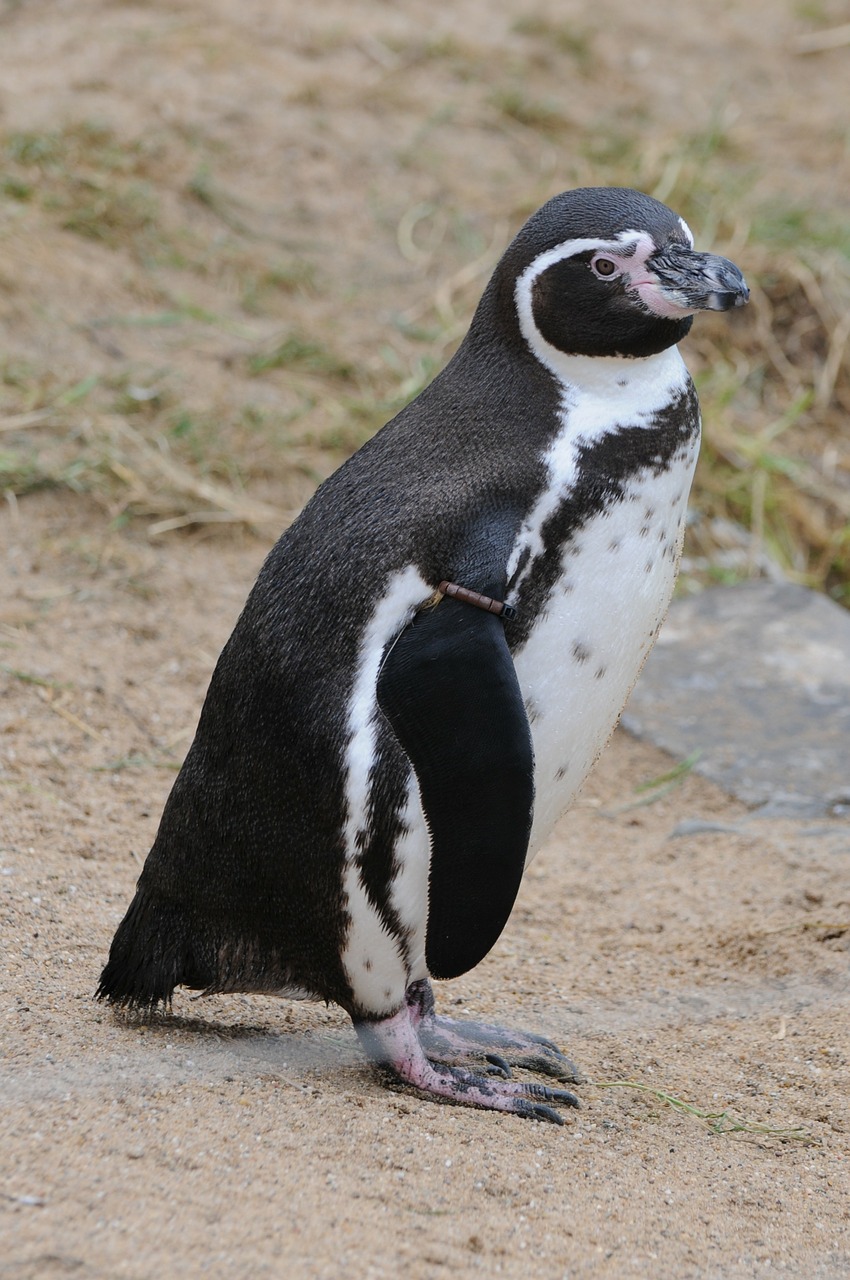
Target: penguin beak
686, 281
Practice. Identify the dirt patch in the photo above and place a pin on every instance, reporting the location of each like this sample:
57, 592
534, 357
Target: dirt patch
245, 1136
242, 231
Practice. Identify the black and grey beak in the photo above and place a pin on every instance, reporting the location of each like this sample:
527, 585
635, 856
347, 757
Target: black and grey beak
698, 281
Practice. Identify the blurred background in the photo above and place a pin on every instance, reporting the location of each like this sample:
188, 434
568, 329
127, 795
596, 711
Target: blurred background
235, 237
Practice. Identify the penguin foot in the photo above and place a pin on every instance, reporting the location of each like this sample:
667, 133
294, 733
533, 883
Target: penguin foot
454, 1041
448, 1040
394, 1044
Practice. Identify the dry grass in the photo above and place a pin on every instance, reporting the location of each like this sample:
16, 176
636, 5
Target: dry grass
777, 395
291, 386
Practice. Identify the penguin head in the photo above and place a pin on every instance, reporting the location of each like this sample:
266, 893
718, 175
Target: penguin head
606, 271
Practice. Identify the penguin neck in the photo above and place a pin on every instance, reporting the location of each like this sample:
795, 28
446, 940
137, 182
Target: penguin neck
616, 377
619, 379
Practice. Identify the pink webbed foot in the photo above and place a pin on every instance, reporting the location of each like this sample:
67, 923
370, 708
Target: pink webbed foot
394, 1044
459, 1042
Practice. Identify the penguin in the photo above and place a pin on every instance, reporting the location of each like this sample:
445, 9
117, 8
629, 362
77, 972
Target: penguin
434, 655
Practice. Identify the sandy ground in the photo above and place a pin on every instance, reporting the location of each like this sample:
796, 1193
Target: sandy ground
243, 1137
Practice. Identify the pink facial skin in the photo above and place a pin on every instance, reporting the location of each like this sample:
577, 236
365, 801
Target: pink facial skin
641, 280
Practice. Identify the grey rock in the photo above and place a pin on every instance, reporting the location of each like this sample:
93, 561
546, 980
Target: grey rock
756, 678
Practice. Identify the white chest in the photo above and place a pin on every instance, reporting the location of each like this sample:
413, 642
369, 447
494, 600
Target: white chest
586, 650
616, 576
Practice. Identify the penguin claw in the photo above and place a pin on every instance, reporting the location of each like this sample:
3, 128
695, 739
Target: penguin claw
534, 1111
560, 1067
498, 1066
564, 1097
394, 1043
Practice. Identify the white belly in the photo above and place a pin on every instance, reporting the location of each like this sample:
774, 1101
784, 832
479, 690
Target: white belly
575, 672
576, 669
586, 650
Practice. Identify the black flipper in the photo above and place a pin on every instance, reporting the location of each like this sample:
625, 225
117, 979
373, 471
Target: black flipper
449, 689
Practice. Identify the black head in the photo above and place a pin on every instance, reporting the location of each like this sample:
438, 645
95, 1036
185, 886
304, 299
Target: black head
606, 271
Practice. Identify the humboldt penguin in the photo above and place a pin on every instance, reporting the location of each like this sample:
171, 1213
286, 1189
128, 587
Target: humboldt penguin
434, 655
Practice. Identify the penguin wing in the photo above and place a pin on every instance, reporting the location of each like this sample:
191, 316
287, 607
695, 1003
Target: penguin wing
450, 692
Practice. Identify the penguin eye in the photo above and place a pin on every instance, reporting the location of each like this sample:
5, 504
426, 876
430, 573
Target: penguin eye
605, 268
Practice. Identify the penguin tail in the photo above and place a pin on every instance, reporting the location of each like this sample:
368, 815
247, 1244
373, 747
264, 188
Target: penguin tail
152, 953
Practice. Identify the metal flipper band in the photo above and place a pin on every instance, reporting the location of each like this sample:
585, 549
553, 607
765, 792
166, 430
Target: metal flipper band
487, 603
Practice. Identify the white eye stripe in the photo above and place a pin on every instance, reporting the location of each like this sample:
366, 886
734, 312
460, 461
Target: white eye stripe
570, 249
626, 240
